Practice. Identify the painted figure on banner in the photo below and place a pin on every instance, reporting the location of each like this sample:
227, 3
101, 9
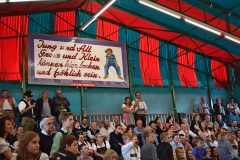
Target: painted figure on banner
111, 61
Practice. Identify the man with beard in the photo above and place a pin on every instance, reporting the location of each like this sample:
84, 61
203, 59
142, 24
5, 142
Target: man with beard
46, 136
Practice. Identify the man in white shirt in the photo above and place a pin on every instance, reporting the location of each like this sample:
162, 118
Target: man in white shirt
115, 122
8, 105
106, 129
140, 108
186, 132
26, 111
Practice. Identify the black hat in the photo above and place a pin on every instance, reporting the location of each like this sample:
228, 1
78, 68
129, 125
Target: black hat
28, 93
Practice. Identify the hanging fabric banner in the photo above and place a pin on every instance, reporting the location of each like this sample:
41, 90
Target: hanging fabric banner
56, 60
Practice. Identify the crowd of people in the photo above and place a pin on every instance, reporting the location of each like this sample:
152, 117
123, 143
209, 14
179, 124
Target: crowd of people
49, 131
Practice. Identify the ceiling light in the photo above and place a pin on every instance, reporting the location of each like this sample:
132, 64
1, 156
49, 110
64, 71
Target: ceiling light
160, 8
84, 26
203, 26
232, 38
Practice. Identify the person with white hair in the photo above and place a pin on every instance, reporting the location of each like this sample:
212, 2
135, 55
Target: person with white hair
46, 136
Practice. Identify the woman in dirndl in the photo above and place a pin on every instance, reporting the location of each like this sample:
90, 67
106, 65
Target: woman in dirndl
233, 111
128, 110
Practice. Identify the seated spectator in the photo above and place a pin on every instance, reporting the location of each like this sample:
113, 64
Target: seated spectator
128, 149
219, 109
5, 130
99, 124
110, 155
184, 142
204, 129
100, 147
232, 140
225, 149
128, 110
46, 136
19, 133
148, 150
164, 149
68, 149
81, 140
189, 154
208, 142
106, 130
160, 127
186, 131
76, 129
175, 143
214, 152
91, 133
84, 126
215, 129
207, 121
209, 154
66, 119
179, 152
238, 135
170, 121
149, 129
129, 130
116, 140
195, 124
234, 127
139, 130
84, 153
170, 132
56, 126
220, 121
29, 148
115, 122
199, 152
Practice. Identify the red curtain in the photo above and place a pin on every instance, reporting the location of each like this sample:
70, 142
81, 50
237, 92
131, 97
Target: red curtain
219, 71
107, 30
11, 47
65, 23
187, 76
149, 64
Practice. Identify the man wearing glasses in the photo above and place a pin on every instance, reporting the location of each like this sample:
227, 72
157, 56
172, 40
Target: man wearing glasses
46, 136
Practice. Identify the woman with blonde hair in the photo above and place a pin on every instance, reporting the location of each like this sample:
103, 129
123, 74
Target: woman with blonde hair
110, 155
29, 147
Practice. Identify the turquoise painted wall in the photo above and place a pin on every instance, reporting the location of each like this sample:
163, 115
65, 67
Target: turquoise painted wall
109, 100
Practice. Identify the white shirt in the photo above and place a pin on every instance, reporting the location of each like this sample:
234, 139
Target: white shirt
124, 105
22, 106
112, 125
94, 147
106, 132
7, 106
190, 133
129, 149
87, 144
141, 105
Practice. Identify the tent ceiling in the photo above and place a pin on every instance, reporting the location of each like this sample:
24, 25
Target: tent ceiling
224, 15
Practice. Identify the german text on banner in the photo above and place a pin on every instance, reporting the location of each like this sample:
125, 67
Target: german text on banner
71, 61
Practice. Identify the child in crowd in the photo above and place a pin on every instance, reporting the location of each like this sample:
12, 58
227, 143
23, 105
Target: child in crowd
66, 119
199, 152
110, 155
164, 149
76, 129
68, 149
148, 150
129, 152
84, 152
179, 154
29, 148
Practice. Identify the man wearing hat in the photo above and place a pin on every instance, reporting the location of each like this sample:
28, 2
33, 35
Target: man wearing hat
26, 110
111, 61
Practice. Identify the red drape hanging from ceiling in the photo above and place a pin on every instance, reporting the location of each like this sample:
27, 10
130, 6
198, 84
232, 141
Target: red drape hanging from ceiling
187, 76
107, 30
219, 71
149, 64
64, 23
11, 47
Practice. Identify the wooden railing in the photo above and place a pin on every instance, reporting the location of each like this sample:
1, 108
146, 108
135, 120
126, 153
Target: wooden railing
149, 117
